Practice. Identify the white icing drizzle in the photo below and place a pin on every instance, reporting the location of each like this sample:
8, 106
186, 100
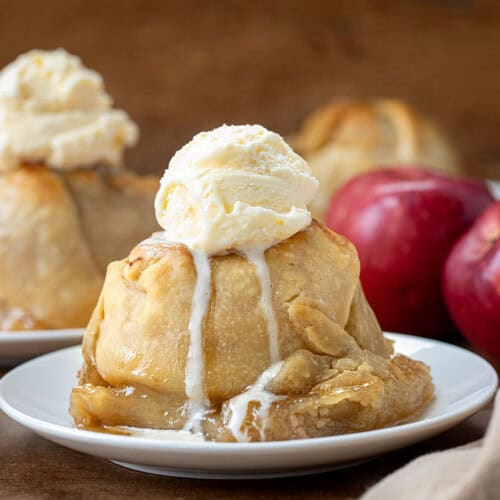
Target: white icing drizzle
258, 393
258, 259
194, 383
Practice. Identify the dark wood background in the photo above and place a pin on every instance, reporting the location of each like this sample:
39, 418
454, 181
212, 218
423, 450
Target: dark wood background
179, 67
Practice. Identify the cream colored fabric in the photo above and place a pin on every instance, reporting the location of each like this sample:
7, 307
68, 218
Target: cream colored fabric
466, 473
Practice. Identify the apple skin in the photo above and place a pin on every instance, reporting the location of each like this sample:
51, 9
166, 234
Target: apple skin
471, 282
403, 222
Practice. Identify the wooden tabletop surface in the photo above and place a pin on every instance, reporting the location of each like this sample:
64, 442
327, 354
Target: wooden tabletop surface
181, 67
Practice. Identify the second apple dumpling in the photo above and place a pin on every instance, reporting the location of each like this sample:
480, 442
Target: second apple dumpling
349, 137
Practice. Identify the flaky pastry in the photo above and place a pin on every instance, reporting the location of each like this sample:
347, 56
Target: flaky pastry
337, 373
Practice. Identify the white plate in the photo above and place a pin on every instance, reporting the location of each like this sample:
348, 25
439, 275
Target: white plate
464, 383
16, 347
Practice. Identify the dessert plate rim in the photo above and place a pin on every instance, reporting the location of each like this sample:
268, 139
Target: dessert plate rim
18, 345
155, 455
30, 335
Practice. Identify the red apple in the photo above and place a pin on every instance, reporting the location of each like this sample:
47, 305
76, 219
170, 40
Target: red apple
403, 222
471, 282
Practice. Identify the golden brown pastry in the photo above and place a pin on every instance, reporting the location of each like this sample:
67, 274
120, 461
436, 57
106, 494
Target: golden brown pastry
349, 137
337, 374
58, 232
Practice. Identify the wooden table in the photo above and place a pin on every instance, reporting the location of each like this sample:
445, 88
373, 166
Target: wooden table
31, 467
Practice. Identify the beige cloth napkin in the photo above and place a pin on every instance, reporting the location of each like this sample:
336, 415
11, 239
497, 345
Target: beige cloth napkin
470, 472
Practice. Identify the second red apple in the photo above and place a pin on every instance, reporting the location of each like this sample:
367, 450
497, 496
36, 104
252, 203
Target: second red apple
471, 282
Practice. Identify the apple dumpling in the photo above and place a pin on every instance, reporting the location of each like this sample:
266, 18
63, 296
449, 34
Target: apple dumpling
67, 208
349, 137
244, 320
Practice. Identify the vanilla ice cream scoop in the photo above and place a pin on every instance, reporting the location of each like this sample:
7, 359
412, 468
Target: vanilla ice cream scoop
56, 111
235, 188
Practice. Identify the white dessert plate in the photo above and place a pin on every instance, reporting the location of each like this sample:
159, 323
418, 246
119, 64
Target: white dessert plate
18, 346
36, 395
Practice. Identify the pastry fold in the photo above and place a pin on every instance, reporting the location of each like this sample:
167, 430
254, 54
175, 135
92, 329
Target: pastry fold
338, 374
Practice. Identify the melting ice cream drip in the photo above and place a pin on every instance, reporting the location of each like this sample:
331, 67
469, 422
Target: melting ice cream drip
194, 382
258, 393
258, 259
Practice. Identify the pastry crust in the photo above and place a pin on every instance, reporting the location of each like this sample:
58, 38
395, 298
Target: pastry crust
349, 137
338, 372
58, 232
